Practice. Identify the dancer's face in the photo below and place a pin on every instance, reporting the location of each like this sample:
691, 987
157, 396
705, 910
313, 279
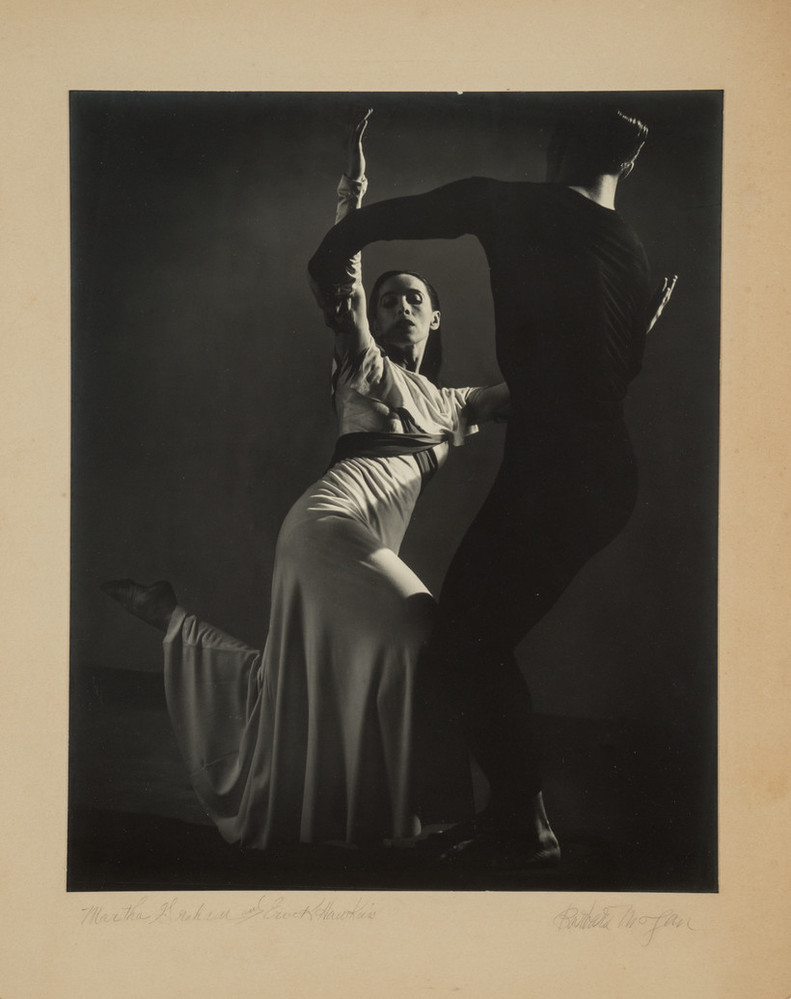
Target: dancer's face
404, 315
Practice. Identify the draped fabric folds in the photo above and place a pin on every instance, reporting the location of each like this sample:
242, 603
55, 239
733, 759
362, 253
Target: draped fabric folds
311, 739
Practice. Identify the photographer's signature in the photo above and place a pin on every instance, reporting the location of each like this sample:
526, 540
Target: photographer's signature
624, 916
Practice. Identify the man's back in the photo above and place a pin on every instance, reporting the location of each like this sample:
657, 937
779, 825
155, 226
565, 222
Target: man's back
570, 284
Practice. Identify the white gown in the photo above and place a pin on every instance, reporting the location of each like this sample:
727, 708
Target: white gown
311, 740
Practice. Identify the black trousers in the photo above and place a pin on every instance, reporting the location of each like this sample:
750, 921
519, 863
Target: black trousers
566, 488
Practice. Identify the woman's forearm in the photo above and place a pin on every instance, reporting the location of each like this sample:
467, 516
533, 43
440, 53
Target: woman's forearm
350, 194
350, 198
490, 403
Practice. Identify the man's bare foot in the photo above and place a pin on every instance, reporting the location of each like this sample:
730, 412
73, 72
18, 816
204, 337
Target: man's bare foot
154, 604
504, 853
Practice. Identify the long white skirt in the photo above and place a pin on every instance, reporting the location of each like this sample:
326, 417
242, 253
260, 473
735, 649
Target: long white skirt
310, 740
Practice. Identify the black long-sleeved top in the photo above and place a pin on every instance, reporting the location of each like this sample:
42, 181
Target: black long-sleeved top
569, 279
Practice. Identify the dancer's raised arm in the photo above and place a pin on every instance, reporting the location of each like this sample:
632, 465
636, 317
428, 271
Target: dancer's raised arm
447, 212
349, 320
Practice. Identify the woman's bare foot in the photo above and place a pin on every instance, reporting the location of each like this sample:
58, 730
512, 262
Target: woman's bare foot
154, 604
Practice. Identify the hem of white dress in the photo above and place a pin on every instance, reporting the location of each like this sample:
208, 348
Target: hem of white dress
174, 624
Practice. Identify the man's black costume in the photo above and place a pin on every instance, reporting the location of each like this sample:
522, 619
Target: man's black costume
571, 290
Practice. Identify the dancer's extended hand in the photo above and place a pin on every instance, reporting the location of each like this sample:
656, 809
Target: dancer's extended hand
660, 299
355, 157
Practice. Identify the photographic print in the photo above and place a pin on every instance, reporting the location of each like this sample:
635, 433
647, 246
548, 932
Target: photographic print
394, 490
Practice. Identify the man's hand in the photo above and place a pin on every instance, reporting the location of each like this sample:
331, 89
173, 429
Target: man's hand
660, 299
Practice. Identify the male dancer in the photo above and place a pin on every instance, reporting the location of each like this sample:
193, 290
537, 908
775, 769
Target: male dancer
572, 304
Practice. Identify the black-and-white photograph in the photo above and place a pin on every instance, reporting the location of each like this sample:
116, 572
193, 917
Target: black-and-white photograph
394, 490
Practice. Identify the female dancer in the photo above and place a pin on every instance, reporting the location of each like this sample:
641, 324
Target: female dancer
312, 739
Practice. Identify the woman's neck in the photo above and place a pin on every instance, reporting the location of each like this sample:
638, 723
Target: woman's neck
409, 357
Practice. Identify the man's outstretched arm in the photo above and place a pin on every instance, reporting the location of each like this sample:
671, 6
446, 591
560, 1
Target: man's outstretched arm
444, 213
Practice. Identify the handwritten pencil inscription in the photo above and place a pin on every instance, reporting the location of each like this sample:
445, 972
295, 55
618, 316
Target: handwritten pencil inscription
645, 925
275, 907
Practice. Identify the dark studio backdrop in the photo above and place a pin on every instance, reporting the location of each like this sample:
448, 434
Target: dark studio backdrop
201, 402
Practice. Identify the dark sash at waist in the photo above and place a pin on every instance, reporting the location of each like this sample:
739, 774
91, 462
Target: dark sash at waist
381, 445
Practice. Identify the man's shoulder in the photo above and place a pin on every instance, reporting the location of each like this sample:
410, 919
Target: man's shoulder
507, 185
492, 190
